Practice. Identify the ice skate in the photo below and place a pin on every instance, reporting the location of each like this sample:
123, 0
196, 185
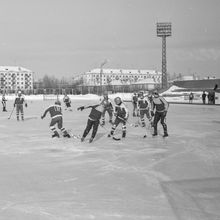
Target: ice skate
165, 135
66, 135
56, 134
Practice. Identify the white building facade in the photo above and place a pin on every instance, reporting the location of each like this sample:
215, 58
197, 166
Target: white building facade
15, 78
97, 77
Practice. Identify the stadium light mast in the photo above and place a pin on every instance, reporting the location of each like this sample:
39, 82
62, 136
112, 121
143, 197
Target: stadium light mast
164, 31
101, 73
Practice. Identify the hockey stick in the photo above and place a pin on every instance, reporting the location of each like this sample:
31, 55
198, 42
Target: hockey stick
74, 136
31, 117
114, 138
11, 112
117, 138
109, 135
130, 124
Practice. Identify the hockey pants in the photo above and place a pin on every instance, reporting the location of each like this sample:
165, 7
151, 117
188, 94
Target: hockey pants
19, 109
91, 124
115, 125
4, 106
134, 108
59, 122
110, 112
144, 112
159, 116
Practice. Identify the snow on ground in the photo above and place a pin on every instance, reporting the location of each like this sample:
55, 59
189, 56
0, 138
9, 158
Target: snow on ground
171, 95
124, 96
133, 179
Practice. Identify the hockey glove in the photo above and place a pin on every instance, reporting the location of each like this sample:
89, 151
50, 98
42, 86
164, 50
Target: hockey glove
152, 114
81, 108
42, 117
26, 105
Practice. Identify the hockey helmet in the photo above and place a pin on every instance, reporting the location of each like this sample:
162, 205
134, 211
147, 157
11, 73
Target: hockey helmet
118, 100
140, 94
150, 97
156, 94
105, 94
57, 102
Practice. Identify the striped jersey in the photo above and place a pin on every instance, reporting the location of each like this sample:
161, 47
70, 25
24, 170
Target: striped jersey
54, 110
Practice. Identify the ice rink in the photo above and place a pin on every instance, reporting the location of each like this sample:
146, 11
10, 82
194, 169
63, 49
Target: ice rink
132, 179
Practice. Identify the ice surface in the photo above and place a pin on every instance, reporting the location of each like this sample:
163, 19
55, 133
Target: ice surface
135, 178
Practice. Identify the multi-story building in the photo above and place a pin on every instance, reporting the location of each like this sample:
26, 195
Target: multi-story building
97, 77
14, 78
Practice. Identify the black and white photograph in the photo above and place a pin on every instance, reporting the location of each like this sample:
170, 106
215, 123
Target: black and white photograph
110, 110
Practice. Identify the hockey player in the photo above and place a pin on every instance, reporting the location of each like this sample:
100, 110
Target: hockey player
144, 108
160, 105
56, 118
93, 120
18, 103
67, 101
121, 116
107, 104
4, 103
134, 103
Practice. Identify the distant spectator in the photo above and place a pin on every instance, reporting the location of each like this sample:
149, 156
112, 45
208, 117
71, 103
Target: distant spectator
4, 103
212, 97
209, 97
191, 97
203, 97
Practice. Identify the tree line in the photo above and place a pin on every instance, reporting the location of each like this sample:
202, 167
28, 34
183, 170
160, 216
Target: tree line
55, 83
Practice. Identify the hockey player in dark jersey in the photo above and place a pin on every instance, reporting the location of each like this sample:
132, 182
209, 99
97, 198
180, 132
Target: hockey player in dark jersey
4, 103
67, 101
93, 120
56, 118
18, 103
134, 103
107, 105
160, 105
121, 116
144, 108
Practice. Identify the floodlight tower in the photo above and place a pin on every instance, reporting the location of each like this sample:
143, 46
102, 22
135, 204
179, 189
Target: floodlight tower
164, 30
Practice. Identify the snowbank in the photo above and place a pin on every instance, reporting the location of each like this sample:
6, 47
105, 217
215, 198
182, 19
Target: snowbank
171, 95
124, 96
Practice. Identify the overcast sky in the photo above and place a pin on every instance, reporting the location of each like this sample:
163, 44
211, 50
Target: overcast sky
67, 37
